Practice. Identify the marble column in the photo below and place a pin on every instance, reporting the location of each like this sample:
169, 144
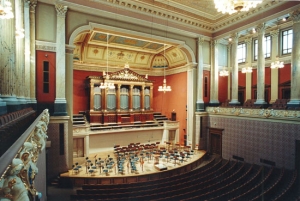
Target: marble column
151, 98
69, 79
200, 102
235, 71
295, 61
27, 51
214, 75
8, 63
248, 75
20, 56
191, 106
60, 99
32, 59
260, 66
274, 71
229, 68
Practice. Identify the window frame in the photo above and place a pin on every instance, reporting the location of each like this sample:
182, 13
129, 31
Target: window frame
255, 47
244, 49
289, 49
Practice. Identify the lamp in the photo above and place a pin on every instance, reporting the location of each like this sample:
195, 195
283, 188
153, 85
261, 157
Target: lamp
233, 6
107, 85
164, 87
247, 70
224, 73
277, 64
6, 10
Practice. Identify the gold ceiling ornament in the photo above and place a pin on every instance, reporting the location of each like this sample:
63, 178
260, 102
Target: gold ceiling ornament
6, 10
233, 6
106, 84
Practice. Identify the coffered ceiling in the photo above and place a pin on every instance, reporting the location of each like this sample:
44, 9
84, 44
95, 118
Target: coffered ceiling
190, 18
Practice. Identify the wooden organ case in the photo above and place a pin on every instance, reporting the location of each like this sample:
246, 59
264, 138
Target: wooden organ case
130, 102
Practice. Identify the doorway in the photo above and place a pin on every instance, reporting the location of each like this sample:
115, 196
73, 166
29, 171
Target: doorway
215, 135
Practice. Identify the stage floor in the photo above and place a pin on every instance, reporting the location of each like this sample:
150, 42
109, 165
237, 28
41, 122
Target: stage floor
148, 166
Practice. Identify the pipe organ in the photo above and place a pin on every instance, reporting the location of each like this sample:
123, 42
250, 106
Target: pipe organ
130, 101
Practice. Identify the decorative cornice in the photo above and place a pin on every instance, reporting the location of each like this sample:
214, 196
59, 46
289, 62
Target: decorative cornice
295, 16
260, 29
45, 46
256, 113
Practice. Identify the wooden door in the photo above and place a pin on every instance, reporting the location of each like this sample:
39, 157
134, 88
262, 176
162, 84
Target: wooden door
215, 135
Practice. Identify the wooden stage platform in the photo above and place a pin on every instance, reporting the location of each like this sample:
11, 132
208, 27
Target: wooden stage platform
140, 168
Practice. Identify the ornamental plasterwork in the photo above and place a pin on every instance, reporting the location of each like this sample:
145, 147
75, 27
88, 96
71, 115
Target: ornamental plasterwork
185, 16
258, 113
128, 75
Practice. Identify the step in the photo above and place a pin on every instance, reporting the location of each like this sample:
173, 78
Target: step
78, 122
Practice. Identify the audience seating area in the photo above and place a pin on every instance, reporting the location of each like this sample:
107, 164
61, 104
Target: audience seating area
279, 104
218, 179
13, 125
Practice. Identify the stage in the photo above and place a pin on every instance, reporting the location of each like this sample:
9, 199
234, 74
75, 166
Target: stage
108, 167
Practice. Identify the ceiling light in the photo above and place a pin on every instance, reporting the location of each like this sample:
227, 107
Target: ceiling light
6, 10
105, 84
247, 70
164, 87
277, 64
224, 73
233, 6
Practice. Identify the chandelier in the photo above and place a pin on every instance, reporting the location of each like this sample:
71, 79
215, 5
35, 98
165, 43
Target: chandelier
277, 64
6, 10
106, 85
233, 6
247, 70
224, 73
164, 87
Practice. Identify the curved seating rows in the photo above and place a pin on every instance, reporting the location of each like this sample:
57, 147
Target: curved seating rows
225, 180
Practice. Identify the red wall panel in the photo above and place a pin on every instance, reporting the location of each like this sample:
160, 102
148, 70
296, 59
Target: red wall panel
50, 58
242, 79
223, 88
285, 74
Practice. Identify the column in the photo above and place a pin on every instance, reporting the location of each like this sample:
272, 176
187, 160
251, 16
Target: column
260, 65
248, 75
60, 99
69, 79
130, 97
143, 98
118, 97
32, 60
295, 61
200, 102
235, 71
229, 68
20, 56
151, 98
8, 63
214, 75
274, 71
191, 106
27, 51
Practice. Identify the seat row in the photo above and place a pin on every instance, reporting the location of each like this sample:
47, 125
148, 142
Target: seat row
230, 181
13, 125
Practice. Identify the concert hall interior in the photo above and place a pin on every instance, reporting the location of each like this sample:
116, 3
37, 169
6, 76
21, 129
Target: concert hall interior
149, 100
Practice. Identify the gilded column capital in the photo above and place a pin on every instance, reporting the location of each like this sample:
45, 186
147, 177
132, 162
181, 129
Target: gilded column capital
295, 16
61, 9
200, 41
32, 4
260, 29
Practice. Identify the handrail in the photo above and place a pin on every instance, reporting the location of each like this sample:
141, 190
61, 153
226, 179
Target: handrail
35, 135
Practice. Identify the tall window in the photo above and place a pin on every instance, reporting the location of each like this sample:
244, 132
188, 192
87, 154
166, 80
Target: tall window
46, 76
267, 47
287, 41
241, 53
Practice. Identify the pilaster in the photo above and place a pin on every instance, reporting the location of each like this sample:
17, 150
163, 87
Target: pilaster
248, 75
235, 71
274, 71
60, 99
214, 74
200, 102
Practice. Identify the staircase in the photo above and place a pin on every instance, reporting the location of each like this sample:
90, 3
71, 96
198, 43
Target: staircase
160, 118
79, 119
